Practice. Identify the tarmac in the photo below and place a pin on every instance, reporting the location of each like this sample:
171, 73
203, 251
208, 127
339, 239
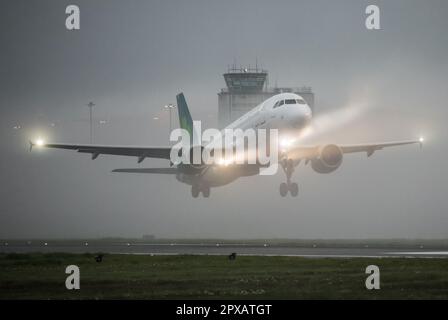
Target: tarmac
219, 249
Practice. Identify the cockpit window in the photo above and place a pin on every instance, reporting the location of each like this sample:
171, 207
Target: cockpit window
278, 103
290, 101
301, 101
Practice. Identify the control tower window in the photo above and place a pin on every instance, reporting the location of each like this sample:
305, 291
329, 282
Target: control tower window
301, 101
290, 101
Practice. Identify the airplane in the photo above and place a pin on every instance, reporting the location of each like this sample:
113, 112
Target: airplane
285, 112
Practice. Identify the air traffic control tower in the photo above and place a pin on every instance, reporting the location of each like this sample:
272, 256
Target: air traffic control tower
246, 88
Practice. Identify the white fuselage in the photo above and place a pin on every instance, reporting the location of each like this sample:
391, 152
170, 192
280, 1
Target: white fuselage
270, 115
286, 112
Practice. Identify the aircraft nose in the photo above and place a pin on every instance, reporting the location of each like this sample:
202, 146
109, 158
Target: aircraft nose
301, 117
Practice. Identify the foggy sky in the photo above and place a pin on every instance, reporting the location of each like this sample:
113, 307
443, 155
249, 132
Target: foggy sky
133, 57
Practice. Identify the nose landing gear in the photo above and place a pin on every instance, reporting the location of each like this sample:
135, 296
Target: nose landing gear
292, 187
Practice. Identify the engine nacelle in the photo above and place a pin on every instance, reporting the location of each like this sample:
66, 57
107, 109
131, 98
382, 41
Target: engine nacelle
329, 159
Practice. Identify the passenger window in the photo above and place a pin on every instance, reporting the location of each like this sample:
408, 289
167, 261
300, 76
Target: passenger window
290, 101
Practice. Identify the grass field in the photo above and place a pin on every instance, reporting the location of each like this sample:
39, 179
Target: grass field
42, 276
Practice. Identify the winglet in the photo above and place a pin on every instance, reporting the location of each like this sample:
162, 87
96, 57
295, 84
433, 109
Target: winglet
420, 141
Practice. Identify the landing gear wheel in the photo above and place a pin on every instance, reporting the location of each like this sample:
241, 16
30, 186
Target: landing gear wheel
288, 167
283, 189
206, 191
195, 191
294, 189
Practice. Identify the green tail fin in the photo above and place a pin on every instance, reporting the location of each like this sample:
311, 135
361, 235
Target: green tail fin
186, 122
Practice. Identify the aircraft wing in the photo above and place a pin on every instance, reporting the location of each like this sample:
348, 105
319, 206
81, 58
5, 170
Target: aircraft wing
310, 152
148, 170
95, 150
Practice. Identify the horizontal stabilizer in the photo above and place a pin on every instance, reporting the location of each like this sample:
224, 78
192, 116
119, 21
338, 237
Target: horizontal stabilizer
149, 170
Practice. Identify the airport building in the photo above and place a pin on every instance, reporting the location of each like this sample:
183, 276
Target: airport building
246, 88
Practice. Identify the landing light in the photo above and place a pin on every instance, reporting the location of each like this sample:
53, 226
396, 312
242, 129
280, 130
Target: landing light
285, 143
224, 162
421, 139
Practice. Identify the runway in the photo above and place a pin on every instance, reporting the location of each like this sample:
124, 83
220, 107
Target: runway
219, 249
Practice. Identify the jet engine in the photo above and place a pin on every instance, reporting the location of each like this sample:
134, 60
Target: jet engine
329, 159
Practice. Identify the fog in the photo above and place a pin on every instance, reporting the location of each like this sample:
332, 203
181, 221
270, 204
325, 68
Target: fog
132, 57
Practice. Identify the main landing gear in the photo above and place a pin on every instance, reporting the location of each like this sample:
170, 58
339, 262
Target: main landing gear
292, 187
197, 188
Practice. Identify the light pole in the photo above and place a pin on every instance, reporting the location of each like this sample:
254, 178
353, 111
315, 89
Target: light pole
169, 107
91, 105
